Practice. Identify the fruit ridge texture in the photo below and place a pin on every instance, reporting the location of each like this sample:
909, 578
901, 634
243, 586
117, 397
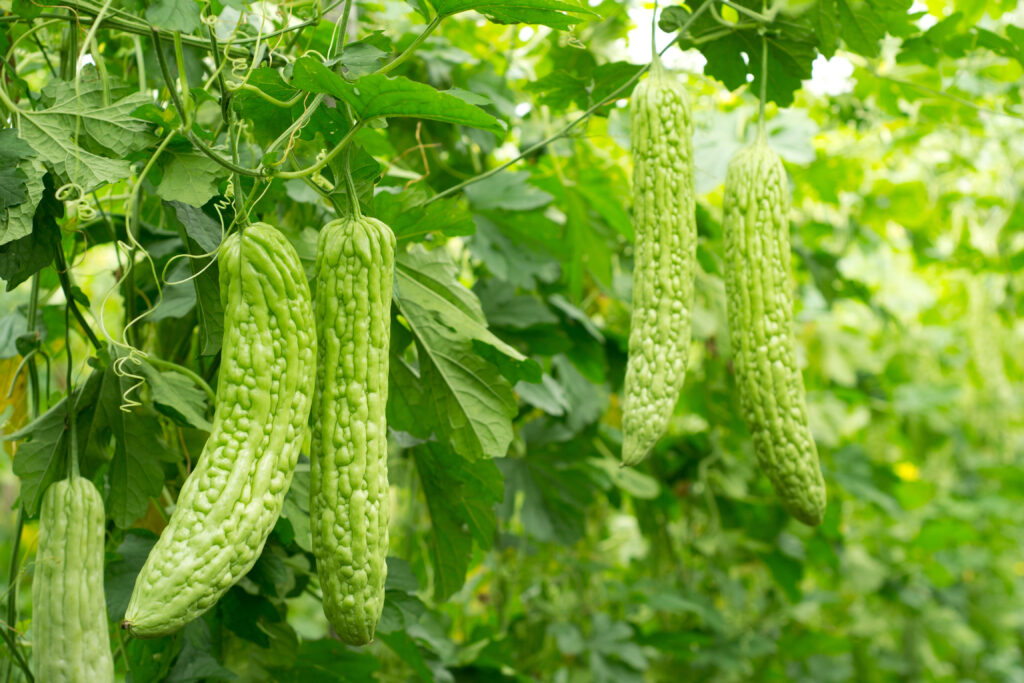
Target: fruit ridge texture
349, 496
665, 256
760, 306
230, 503
70, 639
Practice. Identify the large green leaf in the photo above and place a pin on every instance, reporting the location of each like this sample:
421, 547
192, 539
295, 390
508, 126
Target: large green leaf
377, 96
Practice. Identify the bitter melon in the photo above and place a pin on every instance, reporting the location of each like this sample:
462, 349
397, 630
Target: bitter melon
70, 637
665, 257
349, 502
230, 503
760, 305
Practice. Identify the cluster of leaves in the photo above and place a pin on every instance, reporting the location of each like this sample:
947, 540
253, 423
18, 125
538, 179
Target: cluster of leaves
520, 549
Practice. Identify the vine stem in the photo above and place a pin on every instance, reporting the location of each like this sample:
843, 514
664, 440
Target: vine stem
342, 34
654, 32
33, 372
350, 186
144, 28
226, 163
228, 115
318, 100
562, 132
178, 105
73, 468
65, 284
761, 135
765, 18
183, 115
298, 123
417, 41
327, 158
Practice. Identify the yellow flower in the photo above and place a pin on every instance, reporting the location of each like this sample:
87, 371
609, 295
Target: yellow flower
908, 471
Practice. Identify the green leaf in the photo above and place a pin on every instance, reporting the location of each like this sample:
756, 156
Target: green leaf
554, 495
787, 573
16, 220
460, 498
405, 648
428, 280
546, 12
178, 396
136, 471
507, 309
41, 459
204, 235
197, 661
791, 50
247, 615
503, 241
120, 574
510, 191
361, 58
296, 509
472, 403
206, 231
827, 26
408, 409
860, 27
174, 15
191, 179
79, 116
411, 221
13, 187
23, 257
379, 96
328, 661
179, 298
549, 395
12, 148
629, 479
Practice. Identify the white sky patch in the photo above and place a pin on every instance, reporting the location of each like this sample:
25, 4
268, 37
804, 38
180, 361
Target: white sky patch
85, 61
830, 76
525, 33
638, 45
523, 108
928, 20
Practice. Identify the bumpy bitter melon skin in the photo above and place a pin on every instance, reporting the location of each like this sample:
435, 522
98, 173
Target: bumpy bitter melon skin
70, 636
760, 305
230, 503
349, 500
666, 246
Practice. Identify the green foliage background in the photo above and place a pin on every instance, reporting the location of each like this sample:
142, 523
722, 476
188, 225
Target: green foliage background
520, 549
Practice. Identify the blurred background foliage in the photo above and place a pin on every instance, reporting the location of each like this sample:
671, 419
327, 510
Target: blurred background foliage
549, 562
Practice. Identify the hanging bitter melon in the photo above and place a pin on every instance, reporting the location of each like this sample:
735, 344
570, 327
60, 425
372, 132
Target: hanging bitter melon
70, 636
760, 305
230, 503
665, 259
349, 501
